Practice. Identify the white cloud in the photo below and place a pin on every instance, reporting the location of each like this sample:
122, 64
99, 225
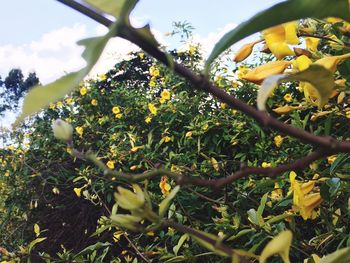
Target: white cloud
50, 57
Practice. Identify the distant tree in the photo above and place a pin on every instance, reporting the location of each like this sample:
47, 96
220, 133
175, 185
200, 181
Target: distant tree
13, 88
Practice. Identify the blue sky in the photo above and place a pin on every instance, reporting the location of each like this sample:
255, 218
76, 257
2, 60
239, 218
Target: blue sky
40, 35
29, 20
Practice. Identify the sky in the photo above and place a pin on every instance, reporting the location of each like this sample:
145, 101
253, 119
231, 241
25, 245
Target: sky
40, 35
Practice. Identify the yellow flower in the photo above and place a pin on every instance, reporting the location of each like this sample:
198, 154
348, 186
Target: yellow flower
167, 139
94, 102
148, 119
288, 97
312, 43
278, 140
77, 191
278, 37
245, 51
165, 95
69, 100
152, 108
154, 71
59, 104
10, 147
52, 106
164, 186
118, 116
258, 74
133, 168
7, 173
304, 202
79, 130
188, 134
152, 83
277, 193
83, 91
161, 100
141, 55
110, 164
102, 77
331, 159
265, 165
116, 110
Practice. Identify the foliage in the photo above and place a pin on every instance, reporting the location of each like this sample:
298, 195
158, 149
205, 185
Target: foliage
155, 169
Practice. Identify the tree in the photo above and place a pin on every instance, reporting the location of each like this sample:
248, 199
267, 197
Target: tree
14, 88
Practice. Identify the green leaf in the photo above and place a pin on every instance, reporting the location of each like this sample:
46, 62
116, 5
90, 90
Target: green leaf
262, 207
117, 8
164, 205
318, 76
92, 248
339, 256
341, 159
297, 9
34, 242
41, 96
182, 240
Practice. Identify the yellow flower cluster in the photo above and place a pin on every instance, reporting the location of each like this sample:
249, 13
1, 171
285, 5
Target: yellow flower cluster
305, 198
164, 186
164, 96
117, 112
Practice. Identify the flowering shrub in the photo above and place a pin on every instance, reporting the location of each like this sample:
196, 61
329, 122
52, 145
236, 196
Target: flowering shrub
142, 166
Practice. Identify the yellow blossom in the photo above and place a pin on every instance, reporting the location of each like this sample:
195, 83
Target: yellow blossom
278, 37
102, 77
79, 130
83, 91
277, 193
167, 139
59, 104
265, 165
258, 74
110, 164
148, 119
152, 83
288, 97
165, 95
69, 100
154, 71
245, 51
278, 140
133, 168
118, 116
304, 202
116, 110
331, 159
77, 191
312, 43
164, 186
52, 106
141, 55
161, 100
94, 102
188, 134
152, 108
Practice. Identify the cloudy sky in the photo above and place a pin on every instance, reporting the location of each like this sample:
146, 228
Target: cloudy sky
40, 35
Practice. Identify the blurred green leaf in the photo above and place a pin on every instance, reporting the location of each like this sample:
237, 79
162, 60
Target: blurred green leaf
339, 256
318, 76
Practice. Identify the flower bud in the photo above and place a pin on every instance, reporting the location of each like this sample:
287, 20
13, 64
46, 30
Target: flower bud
62, 130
